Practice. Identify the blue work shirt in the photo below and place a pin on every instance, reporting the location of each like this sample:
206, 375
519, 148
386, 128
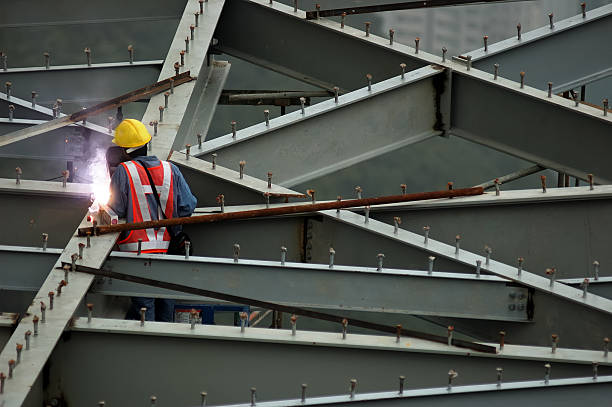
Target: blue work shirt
183, 200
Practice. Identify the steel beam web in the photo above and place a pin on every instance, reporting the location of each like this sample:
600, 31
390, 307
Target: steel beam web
17, 390
543, 53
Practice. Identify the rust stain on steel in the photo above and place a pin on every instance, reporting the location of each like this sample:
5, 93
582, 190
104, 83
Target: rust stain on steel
285, 210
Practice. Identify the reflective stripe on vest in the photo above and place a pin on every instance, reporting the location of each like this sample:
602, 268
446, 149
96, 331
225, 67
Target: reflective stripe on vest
152, 240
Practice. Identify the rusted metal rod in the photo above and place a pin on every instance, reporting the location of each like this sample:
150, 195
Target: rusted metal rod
142, 93
284, 210
513, 176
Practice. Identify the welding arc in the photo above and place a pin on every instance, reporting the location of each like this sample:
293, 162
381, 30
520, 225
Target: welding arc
284, 308
312, 15
283, 210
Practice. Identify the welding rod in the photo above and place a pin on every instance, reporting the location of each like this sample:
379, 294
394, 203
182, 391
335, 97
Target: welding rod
285, 210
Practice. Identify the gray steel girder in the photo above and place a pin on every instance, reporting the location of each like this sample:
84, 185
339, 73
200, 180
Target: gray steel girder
308, 239
226, 363
560, 392
199, 113
567, 55
601, 286
80, 85
294, 284
353, 288
330, 136
106, 28
275, 36
206, 183
527, 127
41, 207
525, 223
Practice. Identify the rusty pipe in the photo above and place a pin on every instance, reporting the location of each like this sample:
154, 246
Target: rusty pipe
285, 210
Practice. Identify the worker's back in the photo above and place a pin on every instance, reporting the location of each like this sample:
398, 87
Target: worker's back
145, 188
132, 198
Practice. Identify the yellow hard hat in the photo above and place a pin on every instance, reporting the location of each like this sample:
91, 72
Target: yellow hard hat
131, 133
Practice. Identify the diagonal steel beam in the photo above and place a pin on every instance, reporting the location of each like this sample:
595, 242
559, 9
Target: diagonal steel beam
557, 391
527, 124
533, 226
545, 53
310, 285
406, 5
347, 54
38, 207
24, 109
472, 114
56, 318
294, 284
207, 182
199, 113
330, 136
375, 361
88, 84
94, 257
185, 99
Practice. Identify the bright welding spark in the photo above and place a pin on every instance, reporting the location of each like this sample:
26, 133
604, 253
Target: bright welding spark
100, 180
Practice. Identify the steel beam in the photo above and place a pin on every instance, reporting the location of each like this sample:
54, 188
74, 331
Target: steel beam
199, 113
56, 319
88, 84
362, 241
561, 392
295, 284
323, 360
97, 254
543, 53
186, 98
601, 286
310, 285
207, 182
526, 223
406, 5
258, 41
527, 125
330, 136
38, 207
25, 110
65, 30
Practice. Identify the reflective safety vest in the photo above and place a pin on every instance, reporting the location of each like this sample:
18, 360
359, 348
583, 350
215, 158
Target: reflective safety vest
153, 240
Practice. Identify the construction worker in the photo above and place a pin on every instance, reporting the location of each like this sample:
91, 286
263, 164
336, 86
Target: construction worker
133, 198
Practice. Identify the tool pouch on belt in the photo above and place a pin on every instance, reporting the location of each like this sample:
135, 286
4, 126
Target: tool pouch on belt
177, 240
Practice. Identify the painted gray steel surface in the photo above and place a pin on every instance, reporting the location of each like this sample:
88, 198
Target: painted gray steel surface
330, 136
529, 127
561, 392
105, 81
226, 363
540, 50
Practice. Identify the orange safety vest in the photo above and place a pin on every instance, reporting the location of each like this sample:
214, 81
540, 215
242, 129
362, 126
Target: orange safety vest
153, 240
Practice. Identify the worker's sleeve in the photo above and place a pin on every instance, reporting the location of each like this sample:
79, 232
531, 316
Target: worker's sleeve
119, 192
185, 201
